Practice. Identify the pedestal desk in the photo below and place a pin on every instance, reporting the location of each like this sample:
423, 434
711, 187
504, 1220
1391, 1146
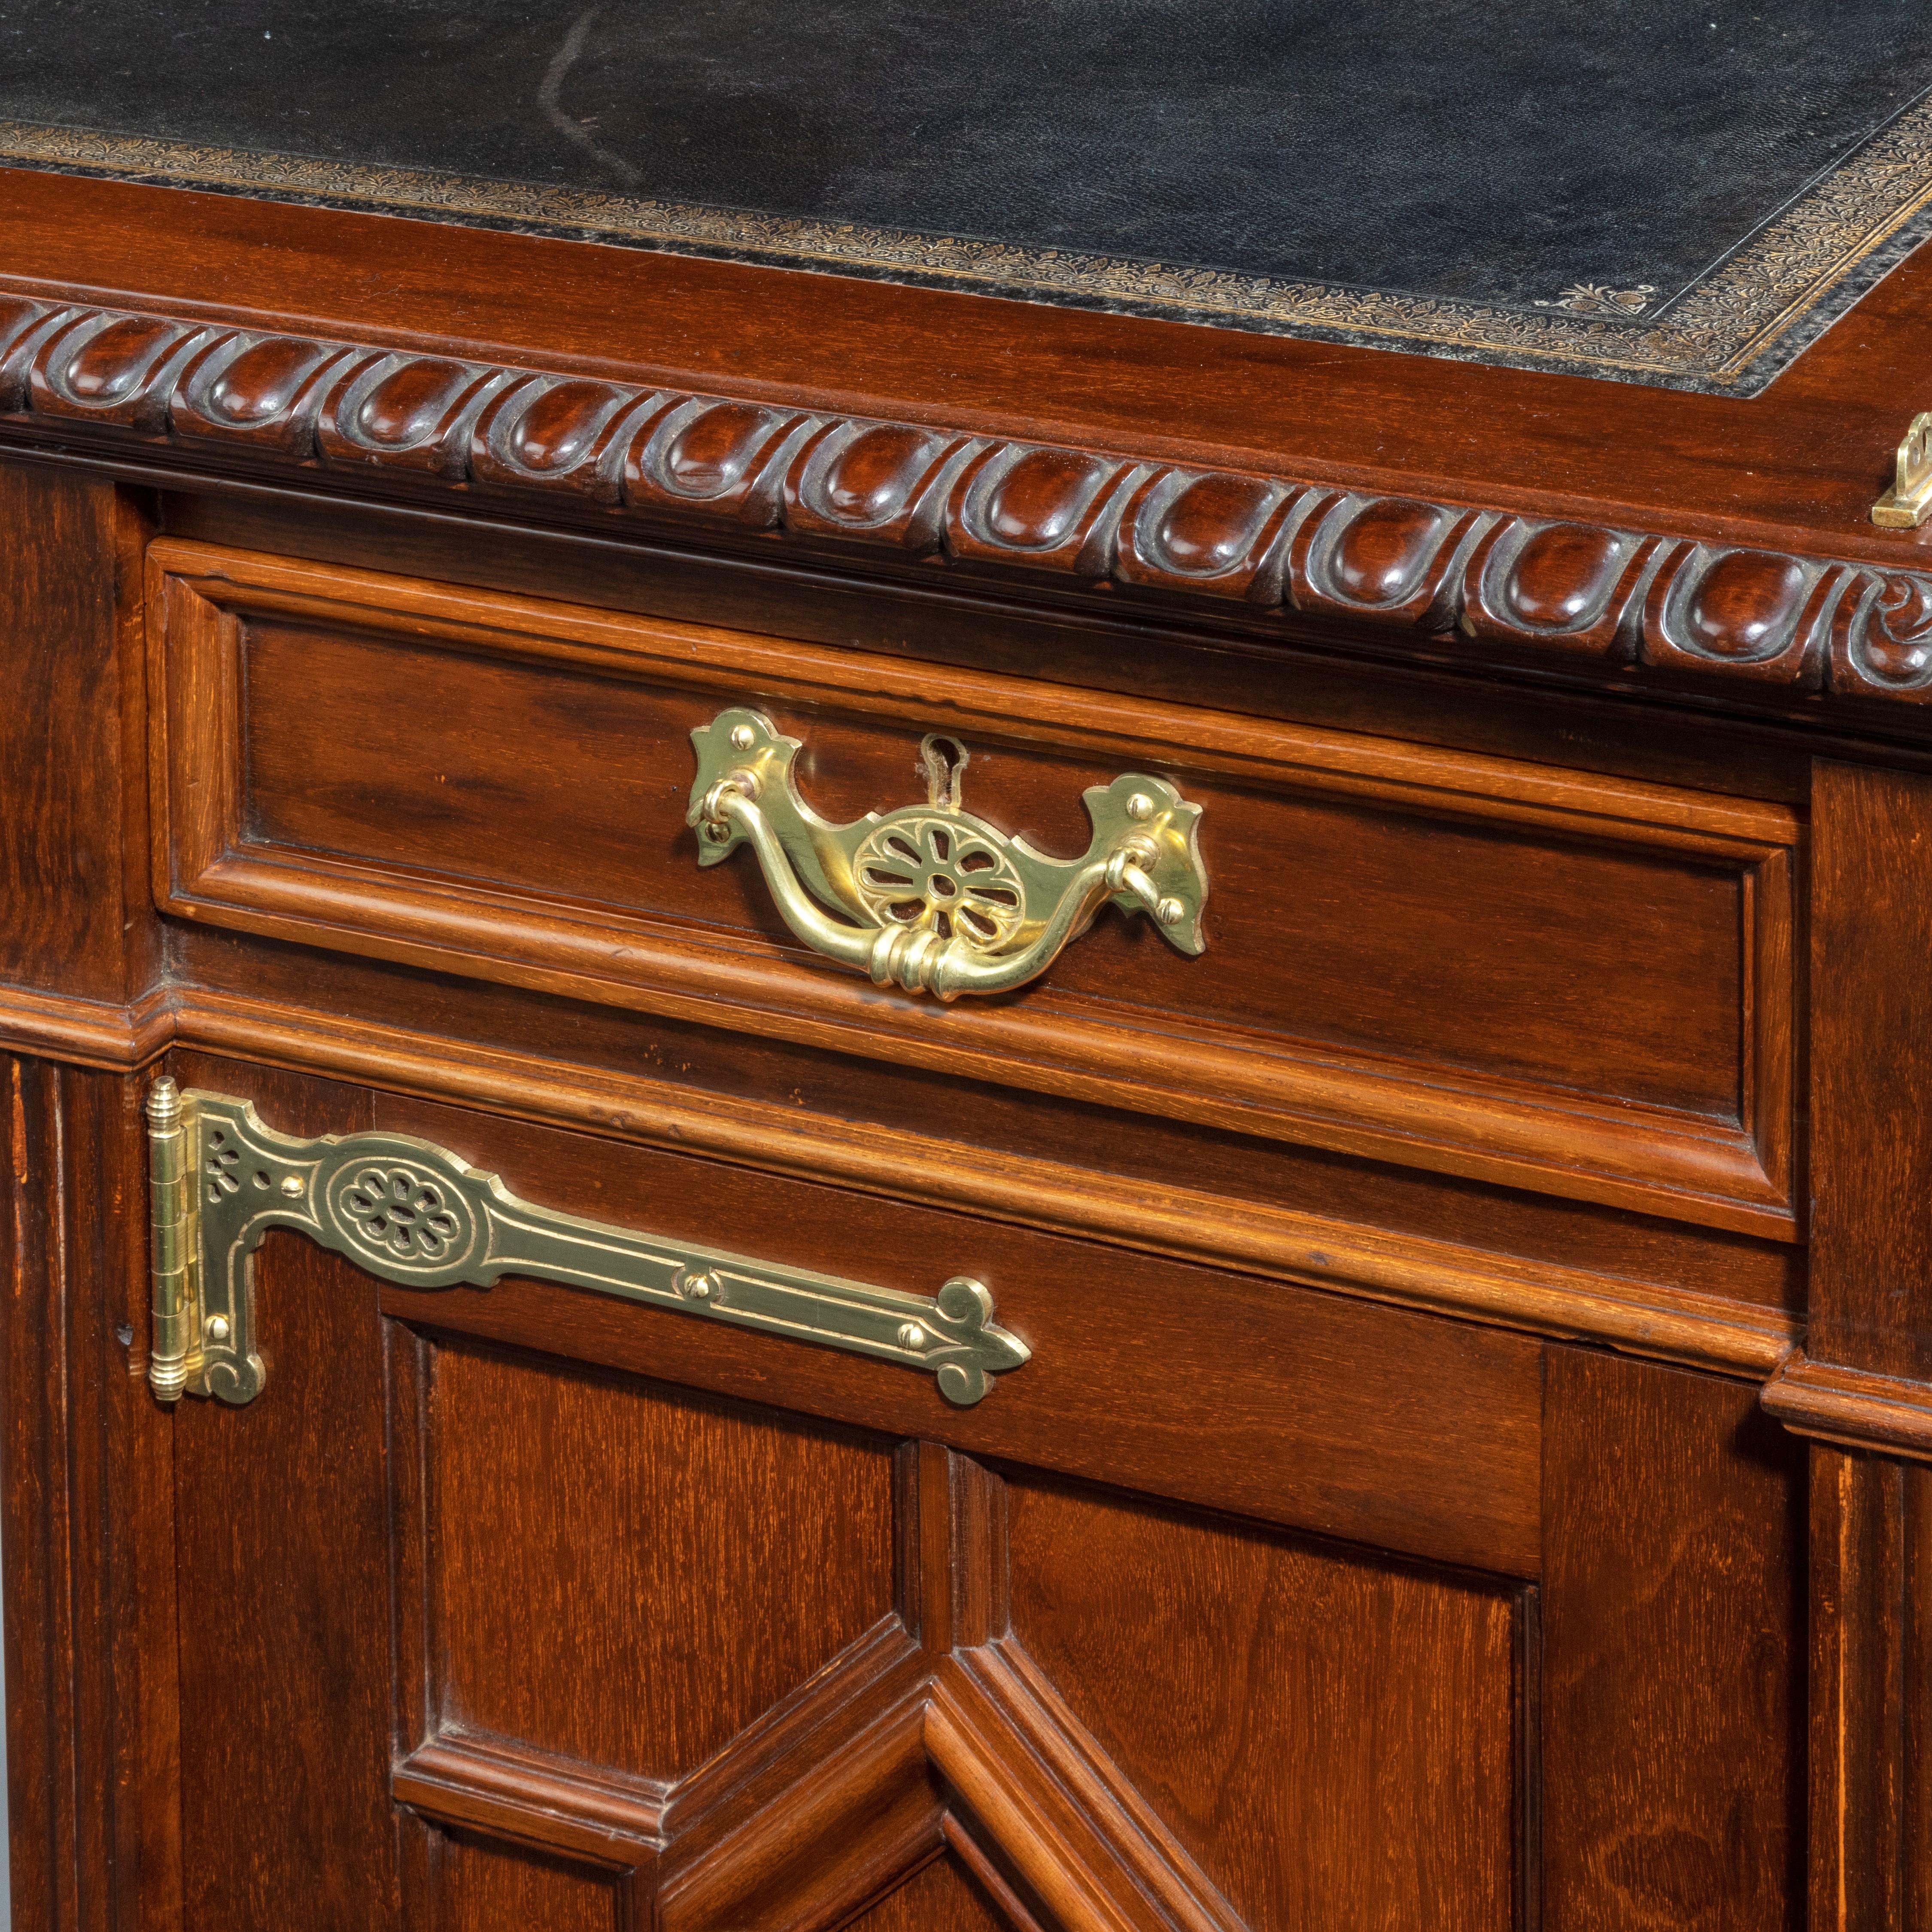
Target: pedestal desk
841, 1097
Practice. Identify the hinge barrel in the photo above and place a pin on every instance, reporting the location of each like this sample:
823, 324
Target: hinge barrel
171, 1167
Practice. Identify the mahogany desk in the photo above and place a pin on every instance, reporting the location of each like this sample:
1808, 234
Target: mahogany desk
1437, 1439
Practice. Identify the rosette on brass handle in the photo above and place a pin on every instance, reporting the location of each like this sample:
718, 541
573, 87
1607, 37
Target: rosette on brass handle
931, 898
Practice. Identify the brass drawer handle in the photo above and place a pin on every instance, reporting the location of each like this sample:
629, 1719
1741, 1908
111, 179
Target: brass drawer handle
415, 1213
939, 900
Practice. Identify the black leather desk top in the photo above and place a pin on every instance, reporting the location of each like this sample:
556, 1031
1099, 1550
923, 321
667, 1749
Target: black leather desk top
1636, 188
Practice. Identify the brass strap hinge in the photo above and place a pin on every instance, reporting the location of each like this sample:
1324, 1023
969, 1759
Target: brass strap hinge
416, 1214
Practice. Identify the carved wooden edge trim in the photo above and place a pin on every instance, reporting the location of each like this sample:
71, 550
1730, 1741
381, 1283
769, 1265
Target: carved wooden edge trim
867, 1684
1017, 1912
1654, 1320
1005, 1680
530, 1797
844, 1800
1090, 1848
85, 1033
1853, 1407
847, 1822
795, 1820
1581, 596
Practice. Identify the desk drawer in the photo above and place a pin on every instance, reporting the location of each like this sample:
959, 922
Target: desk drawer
1551, 979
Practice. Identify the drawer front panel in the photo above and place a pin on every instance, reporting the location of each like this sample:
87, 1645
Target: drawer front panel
1572, 984
1358, 931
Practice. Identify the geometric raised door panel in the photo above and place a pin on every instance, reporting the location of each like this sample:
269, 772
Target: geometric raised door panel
471, 1633
629, 1575
1350, 1756
1077, 1712
1334, 1739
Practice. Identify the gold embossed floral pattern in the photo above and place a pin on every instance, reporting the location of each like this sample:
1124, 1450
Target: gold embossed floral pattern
1717, 335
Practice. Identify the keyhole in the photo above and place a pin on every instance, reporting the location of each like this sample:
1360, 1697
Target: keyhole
943, 760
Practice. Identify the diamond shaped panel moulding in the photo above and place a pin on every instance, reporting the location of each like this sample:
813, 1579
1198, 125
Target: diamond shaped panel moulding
933, 1731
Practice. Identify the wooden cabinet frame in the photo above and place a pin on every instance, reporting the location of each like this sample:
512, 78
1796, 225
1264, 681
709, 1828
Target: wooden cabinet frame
1704, 1447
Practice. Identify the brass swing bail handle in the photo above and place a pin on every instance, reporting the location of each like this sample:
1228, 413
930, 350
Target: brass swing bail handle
933, 899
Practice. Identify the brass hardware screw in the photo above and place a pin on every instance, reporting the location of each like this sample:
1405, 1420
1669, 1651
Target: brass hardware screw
911, 1336
742, 737
292, 1185
1170, 912
1140, 806
699, 1287
217, 1327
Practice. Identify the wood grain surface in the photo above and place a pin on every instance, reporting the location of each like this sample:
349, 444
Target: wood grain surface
284, 1594
74, 912
1122, 1350
1412, 986
1334, 1740
1673, 1710
93, 1721
942, 1897
481, 1887
1871, 928
1871, 1709
682, 1628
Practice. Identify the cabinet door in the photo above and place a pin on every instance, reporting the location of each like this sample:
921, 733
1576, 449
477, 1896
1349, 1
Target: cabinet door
1237, 1606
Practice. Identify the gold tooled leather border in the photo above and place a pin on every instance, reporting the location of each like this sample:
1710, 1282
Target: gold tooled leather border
1731, 331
